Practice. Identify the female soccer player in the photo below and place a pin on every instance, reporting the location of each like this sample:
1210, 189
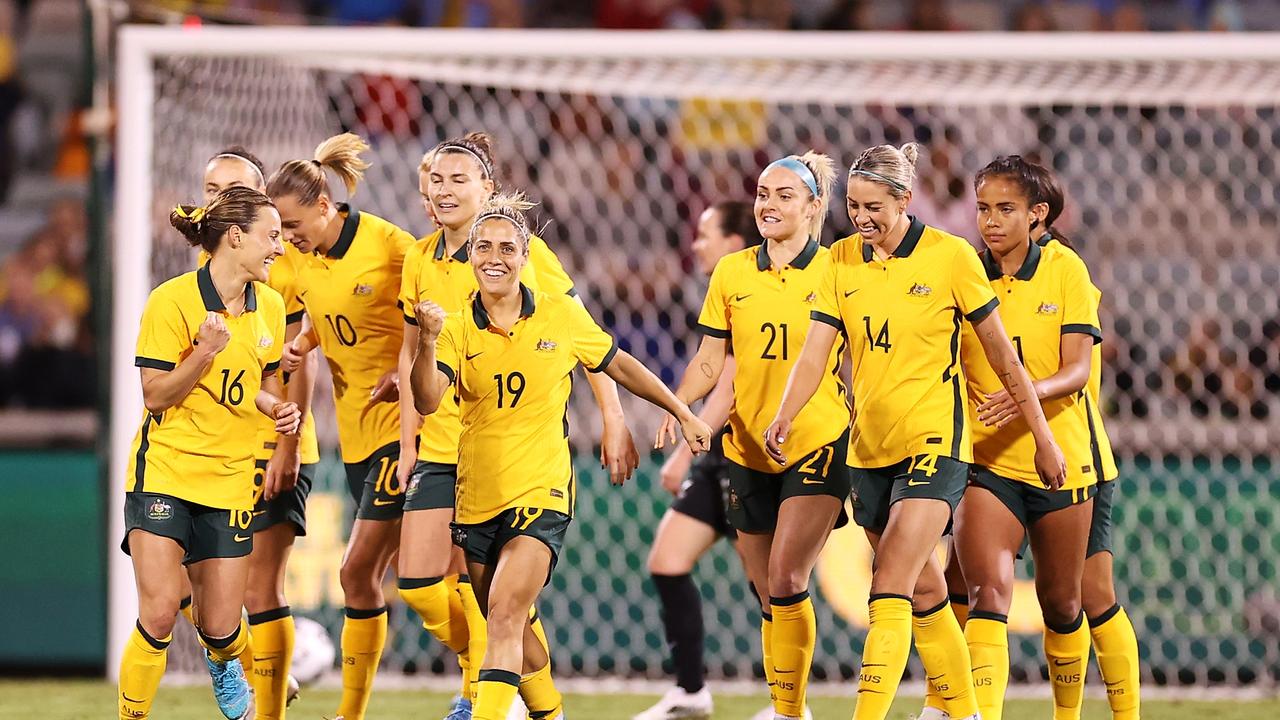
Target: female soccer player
208, 349
284, 468
898, 290
455, 178
347, 282
509, 356
698, 515
1050, 313
759, 302
1114, 640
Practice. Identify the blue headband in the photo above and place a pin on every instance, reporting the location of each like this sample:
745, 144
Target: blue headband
798, 168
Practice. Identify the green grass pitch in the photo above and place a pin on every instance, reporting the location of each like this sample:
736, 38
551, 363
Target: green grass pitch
84, 699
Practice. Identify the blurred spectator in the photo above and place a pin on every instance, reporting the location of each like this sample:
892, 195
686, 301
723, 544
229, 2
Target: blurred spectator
46, 351
943, 195
930, 16
752, 14
1032, 16
9, 94
845, 15
650, 14
1115, 16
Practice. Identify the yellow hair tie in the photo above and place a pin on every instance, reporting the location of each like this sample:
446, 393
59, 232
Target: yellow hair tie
195, 216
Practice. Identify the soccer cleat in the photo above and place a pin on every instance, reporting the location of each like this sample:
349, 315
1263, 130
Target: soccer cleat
460, 709
931, 713
230, 689
518, 710
292, 692
680, 704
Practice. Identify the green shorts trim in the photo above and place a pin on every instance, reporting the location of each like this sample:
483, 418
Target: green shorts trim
755, 496
380, 496
483, 542
290, 507
1100, 531
431, 486
204, 533
1027, 502
932, 477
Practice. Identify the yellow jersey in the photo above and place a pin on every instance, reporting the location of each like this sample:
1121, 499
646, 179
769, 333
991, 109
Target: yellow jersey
350, 295
195, 450
513, 392
763, 312
902, 317
449, 281
1105, 458
1048, 297
283, 278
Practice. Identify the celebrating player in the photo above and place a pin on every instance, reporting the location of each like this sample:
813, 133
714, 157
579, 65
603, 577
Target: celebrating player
509, 356
899, 290
698, 515
1050, 313
208, 348
455, 178
347, 282
1114, 640
284, 468
759, 302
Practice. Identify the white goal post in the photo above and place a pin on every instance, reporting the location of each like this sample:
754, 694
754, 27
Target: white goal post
964, 73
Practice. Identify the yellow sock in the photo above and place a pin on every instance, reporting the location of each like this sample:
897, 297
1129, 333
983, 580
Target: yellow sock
227, 648
364, 633
988, 638
185, 608
1067, 651
141, 667
539, 632
795, 630
960, 609
884, 655
458, 629
1117, 647
429, 597
941, 645
540, 695
495, 691
477, 633
246, 654
766, 652
272, 637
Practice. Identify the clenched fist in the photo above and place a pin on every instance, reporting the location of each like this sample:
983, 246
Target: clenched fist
430, 318
213, 334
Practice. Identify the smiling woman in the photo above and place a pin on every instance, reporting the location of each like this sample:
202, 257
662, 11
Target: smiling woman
208, 350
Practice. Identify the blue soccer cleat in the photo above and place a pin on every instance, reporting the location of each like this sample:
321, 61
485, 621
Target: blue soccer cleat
231, 689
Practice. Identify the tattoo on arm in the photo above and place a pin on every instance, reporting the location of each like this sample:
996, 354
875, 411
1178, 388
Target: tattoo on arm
707, 370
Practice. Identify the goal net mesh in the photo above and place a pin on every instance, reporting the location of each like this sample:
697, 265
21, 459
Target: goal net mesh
1170, 168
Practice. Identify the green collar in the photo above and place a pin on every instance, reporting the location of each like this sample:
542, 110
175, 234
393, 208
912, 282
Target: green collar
908, 245
1026, 272
800, 261
461, 256
481, 316
213, 301
348, 234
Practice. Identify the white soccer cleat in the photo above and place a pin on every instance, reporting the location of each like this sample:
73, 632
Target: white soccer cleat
292, 693
932, 713
518, 710
680, 704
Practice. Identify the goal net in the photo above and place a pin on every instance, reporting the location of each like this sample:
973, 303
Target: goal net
1167, 147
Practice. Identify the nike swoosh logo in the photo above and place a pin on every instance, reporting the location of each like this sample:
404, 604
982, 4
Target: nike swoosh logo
383, 503
981, 667
256, 513
1059, 663
847, 294
807, 481
129, 699
1113, 684
866, 665
784, 672
239, 538
473, 357
914, 483
740, 298
931, 677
